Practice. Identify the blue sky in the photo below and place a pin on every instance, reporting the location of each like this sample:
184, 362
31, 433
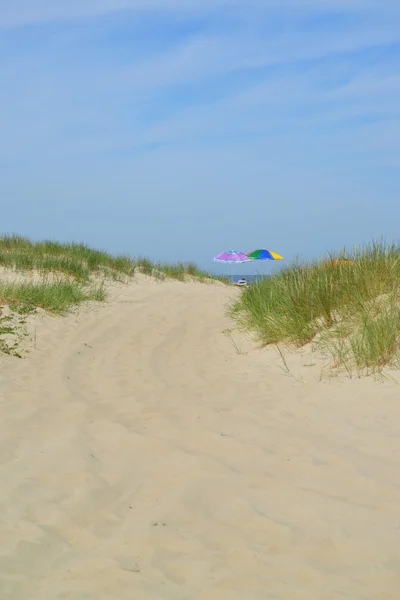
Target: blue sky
181, 128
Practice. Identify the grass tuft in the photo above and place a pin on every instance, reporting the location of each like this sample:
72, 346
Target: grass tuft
179, 270
350, 310
55, 297
75, 260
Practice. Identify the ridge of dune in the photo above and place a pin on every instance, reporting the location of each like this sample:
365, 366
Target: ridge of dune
148, 453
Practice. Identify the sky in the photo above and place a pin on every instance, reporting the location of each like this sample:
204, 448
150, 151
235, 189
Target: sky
177, 129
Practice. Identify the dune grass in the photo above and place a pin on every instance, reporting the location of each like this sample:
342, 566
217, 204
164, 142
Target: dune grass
179, 270
55, 297
351, 311
76, 260
65, 275
79, 261
72, 267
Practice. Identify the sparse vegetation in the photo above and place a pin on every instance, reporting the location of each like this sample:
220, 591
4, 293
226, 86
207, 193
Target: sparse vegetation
56, 297
180, 270
12, 331
65, 275
77, 261
351, 311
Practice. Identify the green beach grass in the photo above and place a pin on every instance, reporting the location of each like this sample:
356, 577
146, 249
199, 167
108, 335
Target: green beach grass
76, 260
71, 273
55, 296
80, 262
180, 270
351, 312
66, 275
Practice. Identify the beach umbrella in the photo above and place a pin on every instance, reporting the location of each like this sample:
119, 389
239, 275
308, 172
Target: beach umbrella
232, 257
263, 254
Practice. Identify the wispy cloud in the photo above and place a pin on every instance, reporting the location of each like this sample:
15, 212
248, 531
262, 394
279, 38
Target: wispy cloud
22, 12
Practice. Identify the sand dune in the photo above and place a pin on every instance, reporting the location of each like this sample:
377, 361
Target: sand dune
146, 454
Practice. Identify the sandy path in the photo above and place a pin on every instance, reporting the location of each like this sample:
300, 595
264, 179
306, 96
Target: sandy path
142, 457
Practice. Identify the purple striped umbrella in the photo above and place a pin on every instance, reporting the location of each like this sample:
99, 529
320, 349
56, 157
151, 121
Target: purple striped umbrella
232, 257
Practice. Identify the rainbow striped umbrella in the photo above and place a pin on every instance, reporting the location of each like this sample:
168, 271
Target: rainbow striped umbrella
263, 254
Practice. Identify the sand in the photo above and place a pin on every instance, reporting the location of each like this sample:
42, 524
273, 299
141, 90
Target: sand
146, 454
